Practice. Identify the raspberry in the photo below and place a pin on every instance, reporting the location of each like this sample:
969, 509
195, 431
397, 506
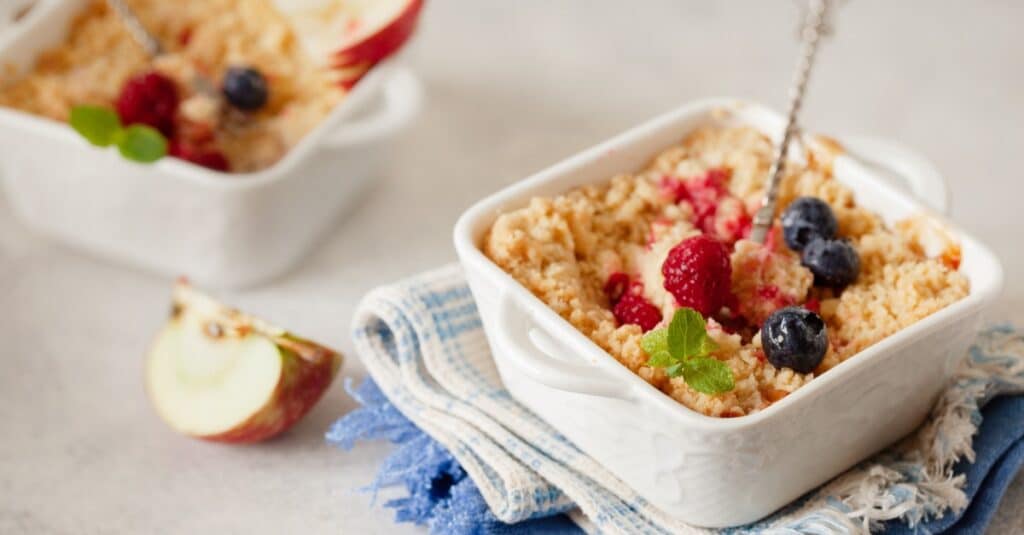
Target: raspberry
707, 194
731, 221
196, 142
211, 160
208, 158
616, 286
150, 99
633, 308
706, 189
698, 274
704, 193
673, 188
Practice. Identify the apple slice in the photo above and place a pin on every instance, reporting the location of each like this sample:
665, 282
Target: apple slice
218, 374
351, 35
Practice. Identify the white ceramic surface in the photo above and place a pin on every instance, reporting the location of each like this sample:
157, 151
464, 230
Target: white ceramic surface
176, 218
708, 471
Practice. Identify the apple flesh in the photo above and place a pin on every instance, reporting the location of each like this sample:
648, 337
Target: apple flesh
351, 36
218, 374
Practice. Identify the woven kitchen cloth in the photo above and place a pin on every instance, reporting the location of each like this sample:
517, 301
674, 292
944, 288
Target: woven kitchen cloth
443, 498
423, 343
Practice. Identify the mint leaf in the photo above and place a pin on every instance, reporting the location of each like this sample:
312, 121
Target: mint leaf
660, 359
96, 124
707, 375
688, 335
655, 344
682, 349
140, 143
655, 340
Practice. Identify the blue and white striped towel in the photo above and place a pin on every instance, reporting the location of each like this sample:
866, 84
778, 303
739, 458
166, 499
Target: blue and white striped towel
423, 344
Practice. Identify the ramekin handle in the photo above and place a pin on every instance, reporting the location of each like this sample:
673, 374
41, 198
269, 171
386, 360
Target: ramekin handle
402, 97
532, 349
922, 176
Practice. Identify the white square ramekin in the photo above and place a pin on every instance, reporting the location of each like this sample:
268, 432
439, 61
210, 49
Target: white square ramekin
718, 472
175, 218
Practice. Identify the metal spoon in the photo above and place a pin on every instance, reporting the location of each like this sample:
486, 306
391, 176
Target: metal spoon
147, 40
152, 45
813, 28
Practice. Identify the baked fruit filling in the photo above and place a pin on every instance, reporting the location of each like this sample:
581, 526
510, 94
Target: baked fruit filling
656, 268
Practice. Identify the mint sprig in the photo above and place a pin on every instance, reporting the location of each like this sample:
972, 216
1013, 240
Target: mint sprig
682, 349
141, 143
655, 344
708, 375
102, 127
97, 125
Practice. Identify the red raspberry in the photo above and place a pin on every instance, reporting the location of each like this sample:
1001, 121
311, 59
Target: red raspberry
705, 193
731, 228
699, 274
673, 188
150, 99
208, 158
616, 286
634, 308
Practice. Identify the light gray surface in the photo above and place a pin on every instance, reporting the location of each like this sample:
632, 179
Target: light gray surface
513, 87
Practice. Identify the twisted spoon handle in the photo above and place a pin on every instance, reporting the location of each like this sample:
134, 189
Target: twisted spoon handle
135, 27
813, 28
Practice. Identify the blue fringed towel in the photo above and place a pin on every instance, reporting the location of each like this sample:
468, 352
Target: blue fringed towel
423, 344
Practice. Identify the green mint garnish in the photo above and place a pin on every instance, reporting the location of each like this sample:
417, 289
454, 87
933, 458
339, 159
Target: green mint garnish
688, 335
708, 375
682, 349
97, 125
655, 344
140, 143
102, 127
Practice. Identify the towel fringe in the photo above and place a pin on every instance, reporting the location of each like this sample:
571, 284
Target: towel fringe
875, 492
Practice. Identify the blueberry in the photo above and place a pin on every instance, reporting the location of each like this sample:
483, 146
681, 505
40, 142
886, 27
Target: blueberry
795, 338
807, 218
834, 262
245, 88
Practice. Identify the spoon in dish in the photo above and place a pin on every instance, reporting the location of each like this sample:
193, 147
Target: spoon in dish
814, 28
152, 45
131, 21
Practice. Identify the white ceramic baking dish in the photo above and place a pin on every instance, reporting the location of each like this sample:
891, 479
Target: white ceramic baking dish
709, 471
176, 218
